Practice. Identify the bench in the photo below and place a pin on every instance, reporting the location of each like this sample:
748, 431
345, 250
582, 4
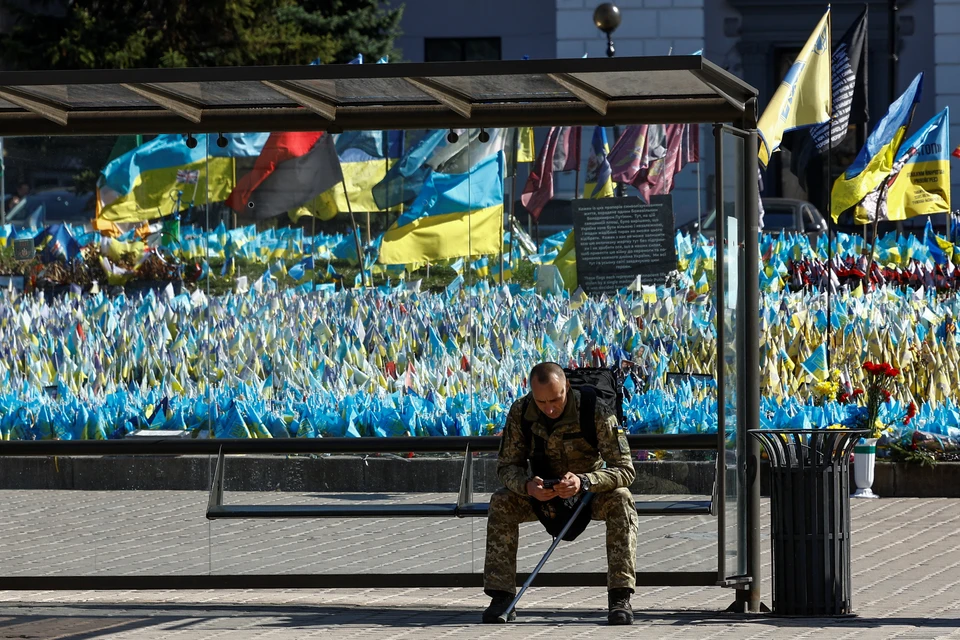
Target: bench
465, 506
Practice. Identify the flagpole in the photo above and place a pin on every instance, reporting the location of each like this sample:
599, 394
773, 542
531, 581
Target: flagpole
313, 224
356, 235
234, 186
829, 217
3, 190
699, 182
513, 198
829, 168
876, 222
864, 132
576, 188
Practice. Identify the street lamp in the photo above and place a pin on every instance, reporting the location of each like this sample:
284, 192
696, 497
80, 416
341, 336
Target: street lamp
607, 18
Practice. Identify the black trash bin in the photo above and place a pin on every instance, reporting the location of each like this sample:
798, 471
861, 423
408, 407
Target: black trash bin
810, 519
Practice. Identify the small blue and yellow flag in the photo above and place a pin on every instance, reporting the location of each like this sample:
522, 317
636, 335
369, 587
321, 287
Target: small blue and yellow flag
599, 183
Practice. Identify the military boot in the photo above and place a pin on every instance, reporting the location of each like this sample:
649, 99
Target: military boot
501, 600
620, 611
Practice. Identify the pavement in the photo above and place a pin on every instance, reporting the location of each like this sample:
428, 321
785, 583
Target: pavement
906, 572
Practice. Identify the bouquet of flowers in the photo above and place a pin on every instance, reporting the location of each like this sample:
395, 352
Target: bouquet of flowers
881, 377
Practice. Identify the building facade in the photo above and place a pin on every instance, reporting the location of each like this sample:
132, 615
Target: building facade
753, 39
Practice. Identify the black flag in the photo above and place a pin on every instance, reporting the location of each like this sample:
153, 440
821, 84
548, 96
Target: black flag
849, 70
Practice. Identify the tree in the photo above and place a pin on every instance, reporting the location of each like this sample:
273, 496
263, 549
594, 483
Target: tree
127, 34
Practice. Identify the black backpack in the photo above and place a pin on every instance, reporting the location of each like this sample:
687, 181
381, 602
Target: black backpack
596, 385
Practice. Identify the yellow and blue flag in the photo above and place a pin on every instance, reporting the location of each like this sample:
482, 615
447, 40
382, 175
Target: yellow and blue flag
919, 184
404, 180
165, 176
875, 160
599, 183
365, 158
454, 215
941, 249
803, 97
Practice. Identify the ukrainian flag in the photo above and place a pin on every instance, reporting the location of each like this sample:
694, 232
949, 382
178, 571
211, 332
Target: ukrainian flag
803, 97
598, 183
365, 158
922, 186
405, 179
875, 160
566, 262
144, 183
454, 215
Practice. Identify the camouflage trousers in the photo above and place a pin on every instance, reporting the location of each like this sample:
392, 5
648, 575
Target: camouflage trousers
508, 510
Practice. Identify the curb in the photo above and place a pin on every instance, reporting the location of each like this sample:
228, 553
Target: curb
391, 474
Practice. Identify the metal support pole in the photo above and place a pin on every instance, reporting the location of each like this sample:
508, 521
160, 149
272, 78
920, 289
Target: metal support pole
751, 360
3, 191
892, 33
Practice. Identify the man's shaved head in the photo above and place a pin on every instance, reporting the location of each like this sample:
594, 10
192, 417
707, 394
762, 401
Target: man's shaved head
545, 372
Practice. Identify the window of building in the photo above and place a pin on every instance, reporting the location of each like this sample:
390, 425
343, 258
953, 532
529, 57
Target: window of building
461, 49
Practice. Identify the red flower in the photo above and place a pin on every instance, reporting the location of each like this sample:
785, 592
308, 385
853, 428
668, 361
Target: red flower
911, 412
857, 392
886, 395
876, 368
843, 398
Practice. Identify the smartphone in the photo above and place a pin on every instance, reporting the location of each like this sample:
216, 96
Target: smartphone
548, 484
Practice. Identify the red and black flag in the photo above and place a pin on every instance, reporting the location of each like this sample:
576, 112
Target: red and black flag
292, 169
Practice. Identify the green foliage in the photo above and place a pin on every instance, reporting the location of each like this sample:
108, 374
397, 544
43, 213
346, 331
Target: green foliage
126, 34
901, 453
122, 34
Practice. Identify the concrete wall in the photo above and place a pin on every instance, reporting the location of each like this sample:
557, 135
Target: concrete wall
302, 473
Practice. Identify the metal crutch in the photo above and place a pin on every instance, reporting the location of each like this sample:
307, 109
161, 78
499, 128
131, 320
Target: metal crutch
533, 574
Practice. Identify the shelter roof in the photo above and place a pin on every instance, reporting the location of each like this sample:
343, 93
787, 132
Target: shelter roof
656, 89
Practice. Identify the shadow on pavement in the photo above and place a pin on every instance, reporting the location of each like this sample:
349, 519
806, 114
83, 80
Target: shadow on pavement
92, 620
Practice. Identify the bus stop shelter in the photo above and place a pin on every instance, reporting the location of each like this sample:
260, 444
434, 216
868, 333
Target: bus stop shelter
337, 98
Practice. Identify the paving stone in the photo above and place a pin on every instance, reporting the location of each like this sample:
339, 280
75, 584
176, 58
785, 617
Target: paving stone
906, 573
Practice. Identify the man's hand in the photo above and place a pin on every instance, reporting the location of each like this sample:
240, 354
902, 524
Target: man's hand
568, 486
535, 489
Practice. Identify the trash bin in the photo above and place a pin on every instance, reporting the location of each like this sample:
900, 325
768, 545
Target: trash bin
810, 519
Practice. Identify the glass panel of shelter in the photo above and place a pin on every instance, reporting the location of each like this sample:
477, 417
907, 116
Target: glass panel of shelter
729, 348
345, 347
270, 328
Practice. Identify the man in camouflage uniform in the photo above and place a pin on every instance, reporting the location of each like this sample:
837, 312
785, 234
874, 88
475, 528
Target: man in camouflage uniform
552, 411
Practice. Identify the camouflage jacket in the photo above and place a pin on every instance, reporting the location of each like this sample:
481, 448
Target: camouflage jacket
566, 448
